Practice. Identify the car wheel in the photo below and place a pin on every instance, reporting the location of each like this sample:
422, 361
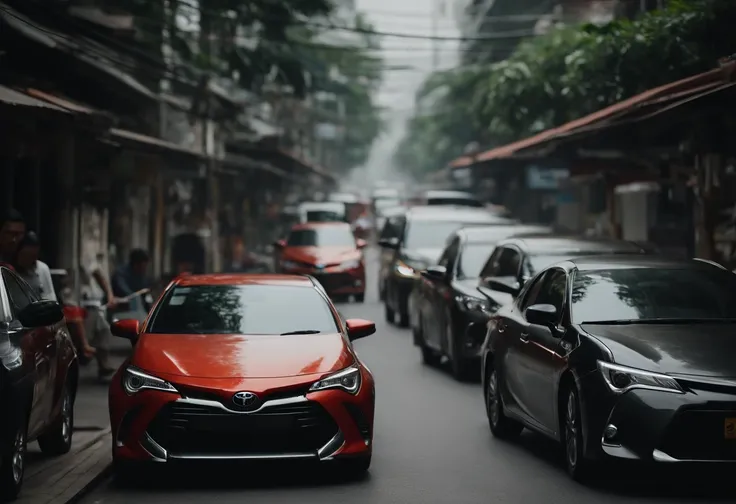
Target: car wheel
501, 426
57, 440
14, 465
388, 313
578, 467
360, 298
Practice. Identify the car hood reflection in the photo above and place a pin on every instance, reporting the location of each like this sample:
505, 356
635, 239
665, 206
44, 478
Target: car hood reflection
235, 356
692, 349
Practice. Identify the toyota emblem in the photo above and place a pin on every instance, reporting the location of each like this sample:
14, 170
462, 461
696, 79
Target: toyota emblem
245, 399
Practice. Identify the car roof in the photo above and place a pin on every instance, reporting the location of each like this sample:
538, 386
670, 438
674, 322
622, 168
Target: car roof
316, 225
634, 261
434, 193
244, 279
343, 197
552, 245
451, 214
495, 233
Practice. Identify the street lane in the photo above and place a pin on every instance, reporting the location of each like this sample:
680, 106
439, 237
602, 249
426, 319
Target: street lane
432, 445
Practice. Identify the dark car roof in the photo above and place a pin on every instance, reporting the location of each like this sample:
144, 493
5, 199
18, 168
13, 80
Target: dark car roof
621, 261
452, 214
544, 244
507, 228
447, 194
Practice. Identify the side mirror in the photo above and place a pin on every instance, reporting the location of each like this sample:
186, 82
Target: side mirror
435, 273
126, 328
389, 243
40, 314
541, 314
509, 285
359, 328
360, 243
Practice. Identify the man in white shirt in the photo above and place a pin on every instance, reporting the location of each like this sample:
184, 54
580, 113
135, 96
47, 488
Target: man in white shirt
35, 272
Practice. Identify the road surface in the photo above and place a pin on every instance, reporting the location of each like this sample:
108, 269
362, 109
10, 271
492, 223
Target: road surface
432, 446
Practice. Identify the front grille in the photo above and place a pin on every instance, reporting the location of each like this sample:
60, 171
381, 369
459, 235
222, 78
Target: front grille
184, 428
334, 280
699, 435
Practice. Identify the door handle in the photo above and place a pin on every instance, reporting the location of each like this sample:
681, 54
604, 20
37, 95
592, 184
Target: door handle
524, 338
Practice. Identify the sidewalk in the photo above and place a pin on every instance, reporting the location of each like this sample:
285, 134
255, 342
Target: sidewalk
60, 480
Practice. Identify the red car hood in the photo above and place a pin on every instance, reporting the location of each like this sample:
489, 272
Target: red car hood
235, 356
320, 255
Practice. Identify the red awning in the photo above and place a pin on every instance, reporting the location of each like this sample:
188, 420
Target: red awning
636, 105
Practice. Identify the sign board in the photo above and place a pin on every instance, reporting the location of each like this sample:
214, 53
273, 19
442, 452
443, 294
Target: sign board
538, 177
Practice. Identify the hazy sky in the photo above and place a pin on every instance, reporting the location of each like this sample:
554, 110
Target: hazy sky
397, 94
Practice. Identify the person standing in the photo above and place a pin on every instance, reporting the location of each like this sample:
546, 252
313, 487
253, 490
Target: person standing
12, 231
132, 278
97, 296
35, 272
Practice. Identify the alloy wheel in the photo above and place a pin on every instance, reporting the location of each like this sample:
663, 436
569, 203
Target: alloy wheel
18, 459
571, 430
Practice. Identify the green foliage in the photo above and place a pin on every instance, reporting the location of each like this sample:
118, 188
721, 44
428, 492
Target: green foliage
570, 73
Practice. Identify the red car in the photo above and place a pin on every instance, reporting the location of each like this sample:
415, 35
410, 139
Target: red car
243, 367
329, 252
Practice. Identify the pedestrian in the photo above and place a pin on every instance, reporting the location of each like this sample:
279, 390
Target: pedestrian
75, 317
97, 296
35, 272
132, 278
12, 231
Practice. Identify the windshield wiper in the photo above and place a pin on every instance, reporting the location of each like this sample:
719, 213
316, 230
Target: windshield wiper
305, 331
662, 321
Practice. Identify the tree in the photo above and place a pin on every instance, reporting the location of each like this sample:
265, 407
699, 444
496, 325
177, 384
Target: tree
574, 71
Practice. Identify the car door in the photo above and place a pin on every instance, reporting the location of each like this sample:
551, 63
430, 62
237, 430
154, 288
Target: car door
36, 340
425, 294
391, 230
442, 295
513, 365
541, 355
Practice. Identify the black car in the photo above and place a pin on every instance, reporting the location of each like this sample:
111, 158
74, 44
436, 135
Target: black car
446, 301
625, 358
419, 237
38, 379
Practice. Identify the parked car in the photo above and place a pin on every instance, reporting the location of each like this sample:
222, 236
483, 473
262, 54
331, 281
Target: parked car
207, 384
329, 252
446, 302
626, 358
421, 233
390, 229
38, 379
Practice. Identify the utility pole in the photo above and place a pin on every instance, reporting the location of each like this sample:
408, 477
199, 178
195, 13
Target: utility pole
160, 221
435, 44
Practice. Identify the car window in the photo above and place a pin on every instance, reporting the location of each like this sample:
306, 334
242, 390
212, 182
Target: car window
491, 264
450, 254
472, 260
19, 296
653, 293
323, 236
392, 228
508, 263
553, 290
466, 202
530, 294
242, 309
429, 233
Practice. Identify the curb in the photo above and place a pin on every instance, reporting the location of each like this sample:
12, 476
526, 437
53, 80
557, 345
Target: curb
90, 486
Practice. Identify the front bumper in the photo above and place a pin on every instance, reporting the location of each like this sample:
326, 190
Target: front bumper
660, 426
197, 424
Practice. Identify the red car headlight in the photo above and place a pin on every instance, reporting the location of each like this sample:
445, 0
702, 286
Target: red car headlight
348, 380
134, 380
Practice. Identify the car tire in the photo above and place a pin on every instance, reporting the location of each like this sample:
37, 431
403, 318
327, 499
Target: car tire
388, 313
360, 298
501, 426
356, 467
57, 439
13, 466
578, 466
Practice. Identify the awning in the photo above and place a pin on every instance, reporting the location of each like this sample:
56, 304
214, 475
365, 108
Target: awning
637, 106
318, 170
240, 161
153, 144
12, 97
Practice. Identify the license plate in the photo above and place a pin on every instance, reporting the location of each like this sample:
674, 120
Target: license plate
729, 430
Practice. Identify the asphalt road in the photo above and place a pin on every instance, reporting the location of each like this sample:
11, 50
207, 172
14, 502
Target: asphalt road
432, 445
